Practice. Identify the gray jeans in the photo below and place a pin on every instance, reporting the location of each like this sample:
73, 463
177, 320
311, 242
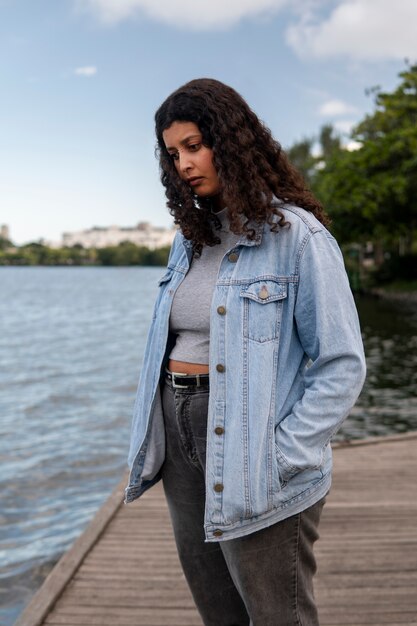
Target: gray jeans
262, 579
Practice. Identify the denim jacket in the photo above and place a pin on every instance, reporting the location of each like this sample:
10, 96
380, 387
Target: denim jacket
286, 366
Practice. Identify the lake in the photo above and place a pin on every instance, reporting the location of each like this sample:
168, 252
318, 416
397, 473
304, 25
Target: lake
71, 345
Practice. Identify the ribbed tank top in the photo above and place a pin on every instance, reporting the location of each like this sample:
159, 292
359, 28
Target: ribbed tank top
190, 312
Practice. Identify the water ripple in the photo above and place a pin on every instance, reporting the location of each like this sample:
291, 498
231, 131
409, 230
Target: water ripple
71, 345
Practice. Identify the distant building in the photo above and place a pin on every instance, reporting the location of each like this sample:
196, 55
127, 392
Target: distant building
4, 232
144, 234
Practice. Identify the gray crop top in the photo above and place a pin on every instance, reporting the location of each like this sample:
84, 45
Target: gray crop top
190, 311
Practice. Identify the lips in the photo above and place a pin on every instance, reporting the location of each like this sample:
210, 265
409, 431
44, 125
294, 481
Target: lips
195, 180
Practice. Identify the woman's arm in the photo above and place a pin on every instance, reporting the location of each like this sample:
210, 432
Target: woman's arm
328, 328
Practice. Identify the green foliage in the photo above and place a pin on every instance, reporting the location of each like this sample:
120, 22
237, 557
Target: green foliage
39, 254
371, 193
5, 243
330, 143
159, 256
403, 286
301, 156
301, 153
128, 253
124, 254
398, 266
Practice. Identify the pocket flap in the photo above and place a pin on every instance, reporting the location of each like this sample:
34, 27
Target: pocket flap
264, 291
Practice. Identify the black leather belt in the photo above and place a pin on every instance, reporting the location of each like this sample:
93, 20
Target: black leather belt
183, 381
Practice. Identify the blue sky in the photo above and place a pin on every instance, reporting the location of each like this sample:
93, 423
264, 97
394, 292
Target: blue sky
81, 80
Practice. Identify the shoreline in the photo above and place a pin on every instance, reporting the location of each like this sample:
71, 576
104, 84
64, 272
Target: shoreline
409, 297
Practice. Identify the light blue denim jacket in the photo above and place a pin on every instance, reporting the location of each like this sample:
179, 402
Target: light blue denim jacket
286, 366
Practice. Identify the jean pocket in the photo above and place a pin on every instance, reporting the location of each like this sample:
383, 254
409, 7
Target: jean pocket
263, 302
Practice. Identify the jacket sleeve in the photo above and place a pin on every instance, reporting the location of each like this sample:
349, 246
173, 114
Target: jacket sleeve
328, 329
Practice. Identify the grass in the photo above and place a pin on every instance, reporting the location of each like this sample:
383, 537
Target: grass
404, 286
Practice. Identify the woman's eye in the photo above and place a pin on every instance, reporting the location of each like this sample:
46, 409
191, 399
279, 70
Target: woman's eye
194, 147
174, 156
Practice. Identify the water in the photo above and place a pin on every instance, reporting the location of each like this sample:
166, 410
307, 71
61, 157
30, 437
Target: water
388, 402
71, 344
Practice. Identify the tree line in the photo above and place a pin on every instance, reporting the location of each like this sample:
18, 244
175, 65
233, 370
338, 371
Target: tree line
124, 254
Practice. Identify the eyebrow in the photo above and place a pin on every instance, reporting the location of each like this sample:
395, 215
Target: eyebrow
184, 141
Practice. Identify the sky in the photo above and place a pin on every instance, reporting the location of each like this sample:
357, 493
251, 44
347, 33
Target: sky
81, 80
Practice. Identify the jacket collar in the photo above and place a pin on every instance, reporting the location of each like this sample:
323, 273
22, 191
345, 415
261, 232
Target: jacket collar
243, 241
256, 241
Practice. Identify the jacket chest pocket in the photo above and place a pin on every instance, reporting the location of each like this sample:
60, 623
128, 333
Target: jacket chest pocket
262, 309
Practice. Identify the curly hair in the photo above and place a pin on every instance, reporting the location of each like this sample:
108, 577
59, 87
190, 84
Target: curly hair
253, 170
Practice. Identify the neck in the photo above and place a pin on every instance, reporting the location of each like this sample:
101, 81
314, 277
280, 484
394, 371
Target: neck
217, 203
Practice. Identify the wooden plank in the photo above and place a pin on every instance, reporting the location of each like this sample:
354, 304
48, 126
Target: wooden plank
128, 617
370, 441
366, 619
130, 573
64, 570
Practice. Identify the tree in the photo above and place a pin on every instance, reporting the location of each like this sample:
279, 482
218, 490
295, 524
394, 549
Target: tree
330, 143
311, 153
372, 192
301, 156
5, 243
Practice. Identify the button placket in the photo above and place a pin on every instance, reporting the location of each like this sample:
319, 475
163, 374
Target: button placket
217, 425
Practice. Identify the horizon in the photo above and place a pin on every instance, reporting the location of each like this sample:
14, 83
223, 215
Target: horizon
45, 241
83, 78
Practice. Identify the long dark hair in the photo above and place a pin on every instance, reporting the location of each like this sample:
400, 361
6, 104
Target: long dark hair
253, 169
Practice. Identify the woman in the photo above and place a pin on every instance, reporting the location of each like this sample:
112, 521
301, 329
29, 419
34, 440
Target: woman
254, 358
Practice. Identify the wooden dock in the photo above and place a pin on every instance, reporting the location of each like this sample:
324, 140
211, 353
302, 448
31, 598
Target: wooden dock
124, 571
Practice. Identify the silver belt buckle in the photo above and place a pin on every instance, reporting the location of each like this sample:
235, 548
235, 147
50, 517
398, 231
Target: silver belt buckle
176, 385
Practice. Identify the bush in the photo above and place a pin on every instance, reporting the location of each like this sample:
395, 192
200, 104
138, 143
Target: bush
397, 268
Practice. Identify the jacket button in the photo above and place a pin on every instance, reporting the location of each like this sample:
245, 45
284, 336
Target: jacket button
219, 430
233, 257
218, 487
220, 367
217, 533
263, 294
221, 310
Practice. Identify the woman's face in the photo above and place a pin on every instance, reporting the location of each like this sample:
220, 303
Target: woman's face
192, 159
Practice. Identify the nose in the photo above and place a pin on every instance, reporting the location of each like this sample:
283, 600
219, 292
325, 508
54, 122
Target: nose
185, 163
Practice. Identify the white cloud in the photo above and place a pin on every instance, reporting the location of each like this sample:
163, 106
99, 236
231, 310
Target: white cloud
344, 126
332, 108
190, 14
353, 145
359, 29
87, 70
